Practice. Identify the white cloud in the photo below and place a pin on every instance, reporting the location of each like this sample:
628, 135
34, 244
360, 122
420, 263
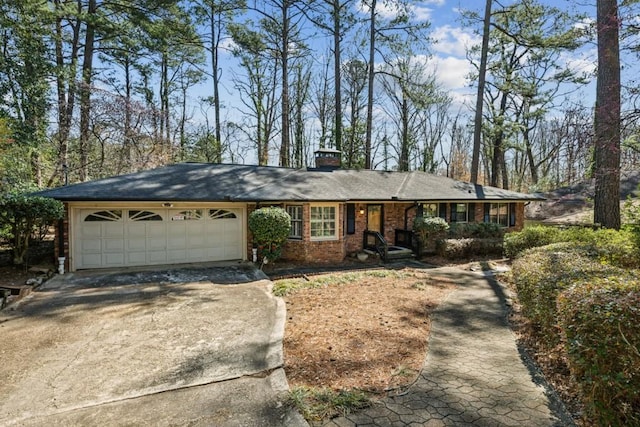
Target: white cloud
581, 62
451, 72
421, 13
453, 40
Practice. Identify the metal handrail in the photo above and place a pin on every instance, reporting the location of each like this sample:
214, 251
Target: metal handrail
379, 245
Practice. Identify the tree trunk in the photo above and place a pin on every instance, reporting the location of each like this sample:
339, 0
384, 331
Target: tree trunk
128, 132
85, 92
285, 146
337, 68
165, 131
215, 41
370, 76
498, 168
477, 130
533, 167
403, 164
607, 118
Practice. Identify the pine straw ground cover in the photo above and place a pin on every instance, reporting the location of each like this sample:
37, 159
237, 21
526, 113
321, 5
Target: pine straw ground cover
356, 332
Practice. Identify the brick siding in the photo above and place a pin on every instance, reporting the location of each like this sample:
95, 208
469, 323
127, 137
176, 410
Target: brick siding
328, 251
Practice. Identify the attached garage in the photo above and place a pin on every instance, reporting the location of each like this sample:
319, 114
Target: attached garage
112, 236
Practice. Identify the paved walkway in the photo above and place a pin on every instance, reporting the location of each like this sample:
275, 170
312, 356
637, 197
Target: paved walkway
473, 374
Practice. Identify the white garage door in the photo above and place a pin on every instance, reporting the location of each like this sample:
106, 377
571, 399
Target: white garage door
130, 237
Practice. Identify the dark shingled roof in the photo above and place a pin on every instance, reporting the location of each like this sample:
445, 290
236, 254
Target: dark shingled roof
245, 183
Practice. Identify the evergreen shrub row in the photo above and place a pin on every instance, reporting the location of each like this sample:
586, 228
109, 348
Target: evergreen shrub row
540, 274
467, 247
475, 230
600, 319
583, 293
619, 248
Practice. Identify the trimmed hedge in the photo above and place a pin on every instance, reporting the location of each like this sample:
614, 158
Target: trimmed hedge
530, 237
462, 248
540, 274
600, 318
613, 247
476, 230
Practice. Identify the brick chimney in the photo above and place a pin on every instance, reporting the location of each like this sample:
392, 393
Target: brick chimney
328, 159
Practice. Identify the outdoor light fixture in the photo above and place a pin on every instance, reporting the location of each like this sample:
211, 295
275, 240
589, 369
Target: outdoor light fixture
167, 205
361, 211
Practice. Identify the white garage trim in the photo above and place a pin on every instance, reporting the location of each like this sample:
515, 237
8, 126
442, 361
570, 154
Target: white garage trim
121, 235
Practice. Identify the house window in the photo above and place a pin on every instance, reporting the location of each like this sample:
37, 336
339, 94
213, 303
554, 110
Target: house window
430, 210
459, 212
295, 212
498, 213
323, 223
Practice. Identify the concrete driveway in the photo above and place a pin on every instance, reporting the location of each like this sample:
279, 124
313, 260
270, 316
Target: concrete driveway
195, 345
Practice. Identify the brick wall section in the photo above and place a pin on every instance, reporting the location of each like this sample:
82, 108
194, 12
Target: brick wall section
317, 252
519, 218
354, 241
324, 252
394, 218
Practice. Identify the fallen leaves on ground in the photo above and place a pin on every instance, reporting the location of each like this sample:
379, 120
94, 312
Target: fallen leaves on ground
369, 334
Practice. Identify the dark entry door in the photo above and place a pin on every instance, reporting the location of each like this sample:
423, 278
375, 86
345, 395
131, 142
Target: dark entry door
375, 218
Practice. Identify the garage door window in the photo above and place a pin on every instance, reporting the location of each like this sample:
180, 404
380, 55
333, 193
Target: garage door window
221, 214
188, 215
144, 216
103, 216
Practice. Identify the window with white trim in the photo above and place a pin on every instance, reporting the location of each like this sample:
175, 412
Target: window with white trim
295, 212
323, 222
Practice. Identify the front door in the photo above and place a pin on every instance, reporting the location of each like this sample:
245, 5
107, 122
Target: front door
375, 218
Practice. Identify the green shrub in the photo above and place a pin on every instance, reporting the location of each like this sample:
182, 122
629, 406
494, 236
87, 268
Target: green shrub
429, 231
530, 237
22, 215
600, 319
540, 274
477, 230
613, 247
429, 227
462, 248
270, 228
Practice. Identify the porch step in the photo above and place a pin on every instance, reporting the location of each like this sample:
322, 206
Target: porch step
398, 252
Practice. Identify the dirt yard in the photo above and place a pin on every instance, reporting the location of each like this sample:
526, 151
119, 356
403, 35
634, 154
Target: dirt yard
366, 330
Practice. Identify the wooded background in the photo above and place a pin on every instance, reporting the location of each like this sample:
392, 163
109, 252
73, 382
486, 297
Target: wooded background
94, 88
